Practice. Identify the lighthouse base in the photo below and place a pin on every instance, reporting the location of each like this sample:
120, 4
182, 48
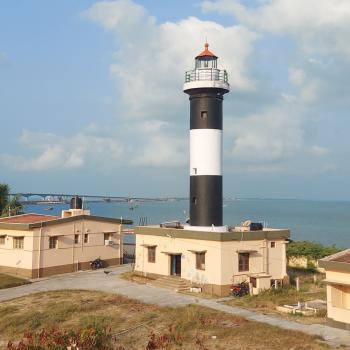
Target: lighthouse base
207, 228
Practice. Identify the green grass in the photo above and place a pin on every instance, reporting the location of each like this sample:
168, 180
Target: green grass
7, 281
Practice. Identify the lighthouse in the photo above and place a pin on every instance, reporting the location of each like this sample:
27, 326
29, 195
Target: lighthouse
206, 86
204, 253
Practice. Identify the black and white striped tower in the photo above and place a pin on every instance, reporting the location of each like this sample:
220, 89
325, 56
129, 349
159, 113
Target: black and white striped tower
206, 86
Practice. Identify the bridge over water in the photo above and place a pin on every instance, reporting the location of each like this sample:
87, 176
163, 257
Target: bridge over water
60, 197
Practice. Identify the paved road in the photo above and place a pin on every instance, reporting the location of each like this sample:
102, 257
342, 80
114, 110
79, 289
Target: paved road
112, 283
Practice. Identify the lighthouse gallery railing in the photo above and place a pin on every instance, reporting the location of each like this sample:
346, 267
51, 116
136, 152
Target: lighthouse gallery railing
206, 74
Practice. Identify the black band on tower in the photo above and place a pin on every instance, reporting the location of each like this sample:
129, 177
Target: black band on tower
206, 110
206, 200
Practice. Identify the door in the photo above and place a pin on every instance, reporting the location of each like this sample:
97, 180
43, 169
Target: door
175, 265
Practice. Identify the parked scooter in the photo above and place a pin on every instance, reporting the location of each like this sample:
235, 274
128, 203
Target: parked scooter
96, 264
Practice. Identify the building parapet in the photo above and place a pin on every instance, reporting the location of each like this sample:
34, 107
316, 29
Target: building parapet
269, 234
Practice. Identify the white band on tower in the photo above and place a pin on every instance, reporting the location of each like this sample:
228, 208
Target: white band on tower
205, 152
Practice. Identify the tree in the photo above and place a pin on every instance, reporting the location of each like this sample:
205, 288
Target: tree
9, 206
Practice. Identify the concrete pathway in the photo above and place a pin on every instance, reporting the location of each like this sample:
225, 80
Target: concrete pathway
112, 283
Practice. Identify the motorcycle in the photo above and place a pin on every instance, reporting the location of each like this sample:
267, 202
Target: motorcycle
96, 264
241, 289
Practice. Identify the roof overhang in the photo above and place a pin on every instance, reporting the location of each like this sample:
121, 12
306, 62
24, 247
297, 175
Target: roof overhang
336, 282
172, 253
149, 245
260, 275
197, 251
246, 251
331, 263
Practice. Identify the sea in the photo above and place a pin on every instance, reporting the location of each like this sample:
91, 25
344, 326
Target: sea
325, 222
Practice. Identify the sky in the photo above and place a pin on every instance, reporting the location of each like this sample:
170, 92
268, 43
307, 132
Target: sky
91, 97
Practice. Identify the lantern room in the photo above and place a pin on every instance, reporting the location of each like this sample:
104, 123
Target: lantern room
206, 72
206, 59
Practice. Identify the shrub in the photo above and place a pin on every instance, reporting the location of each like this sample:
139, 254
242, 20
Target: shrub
310, 250
56, 339
164, 340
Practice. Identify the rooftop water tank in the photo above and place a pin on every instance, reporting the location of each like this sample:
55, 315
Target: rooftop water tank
76, 203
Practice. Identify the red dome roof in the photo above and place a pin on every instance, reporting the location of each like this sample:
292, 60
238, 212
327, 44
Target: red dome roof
206, 52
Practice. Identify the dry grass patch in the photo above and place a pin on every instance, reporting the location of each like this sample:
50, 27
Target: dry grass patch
136, 325
267, 301
8, 281
134, 277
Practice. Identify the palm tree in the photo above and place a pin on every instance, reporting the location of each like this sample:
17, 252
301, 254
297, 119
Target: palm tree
8, 206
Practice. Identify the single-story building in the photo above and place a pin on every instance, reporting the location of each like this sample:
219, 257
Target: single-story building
35, 245
213, 261
337, 267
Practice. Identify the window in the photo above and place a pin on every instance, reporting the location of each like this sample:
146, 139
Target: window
18, 242
340, 296
86, 238
243, 262
152, 254
76, 239
204, 114
200, 261
273, 244
53, 242
194, 200
106, 236
2, 240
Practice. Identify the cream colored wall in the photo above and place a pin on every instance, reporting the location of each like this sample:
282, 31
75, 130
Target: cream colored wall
17, 258
336, 313
264, 260
263, 284
277, 259
211, 274
67, 252
36, 245
221, 259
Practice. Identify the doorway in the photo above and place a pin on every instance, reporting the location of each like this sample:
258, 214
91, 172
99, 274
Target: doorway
175, 265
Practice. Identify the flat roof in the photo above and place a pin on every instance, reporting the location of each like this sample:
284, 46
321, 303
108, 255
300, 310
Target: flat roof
337, 262
156, 230
27, 222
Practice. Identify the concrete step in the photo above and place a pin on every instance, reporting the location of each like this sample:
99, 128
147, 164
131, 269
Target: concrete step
172, 282
170, 286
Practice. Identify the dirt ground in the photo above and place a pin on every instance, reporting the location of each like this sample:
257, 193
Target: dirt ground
8, 281
133, 323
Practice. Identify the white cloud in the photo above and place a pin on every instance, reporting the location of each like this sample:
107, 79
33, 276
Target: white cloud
149, 67
122, 14
318, 151
152, 58
162, 151
271, 137
56, 152
318, 25
297, 76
